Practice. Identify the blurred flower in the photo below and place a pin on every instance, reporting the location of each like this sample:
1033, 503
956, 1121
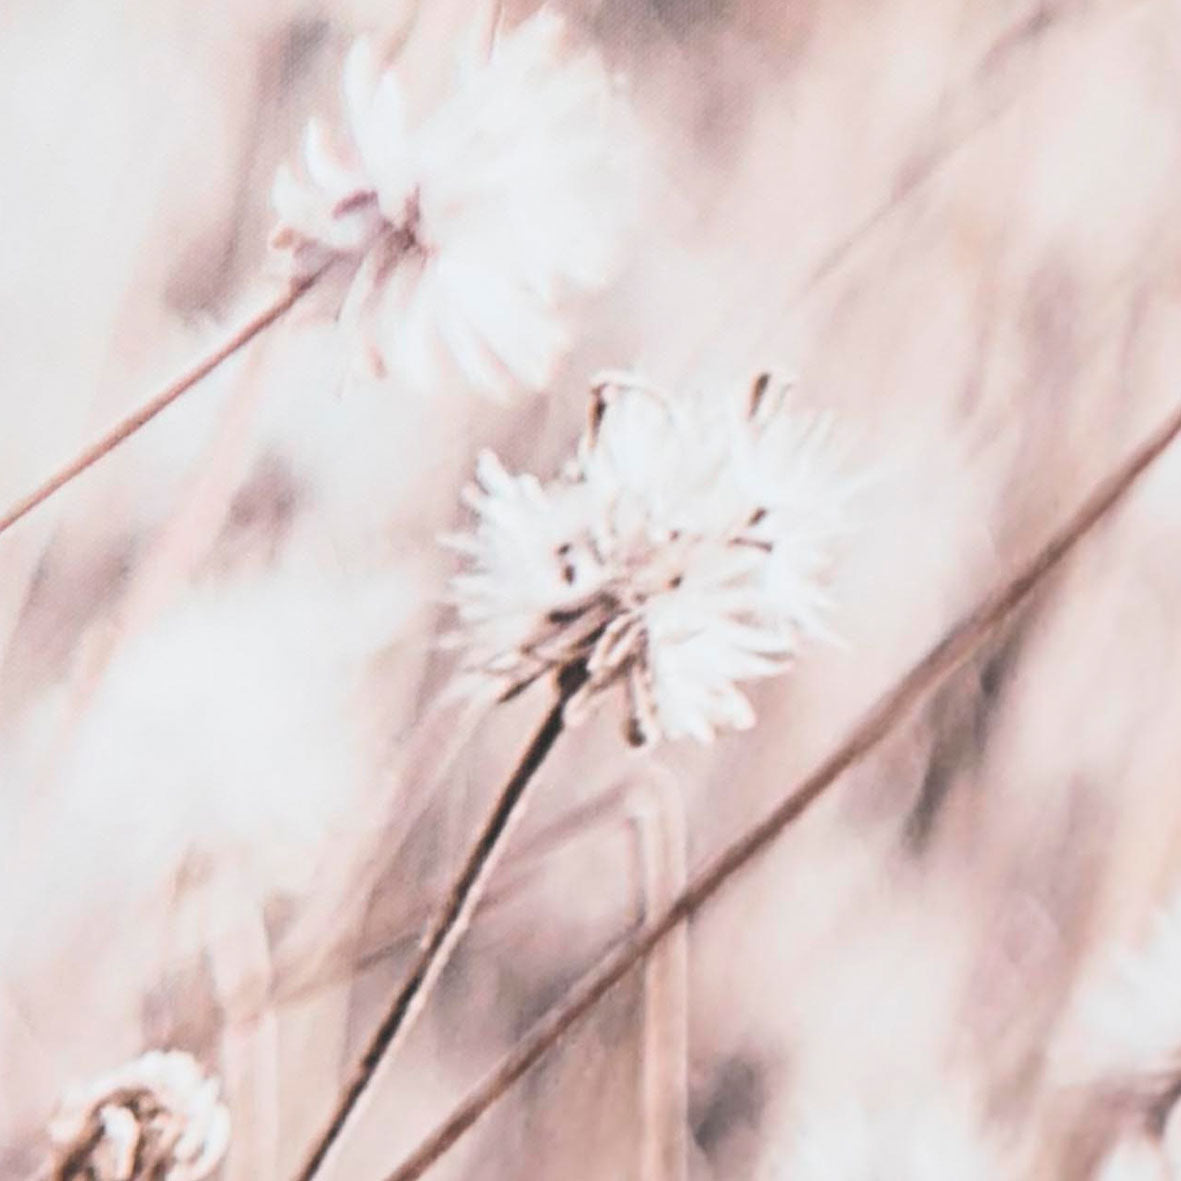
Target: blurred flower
1134, 1159
683, 550
1124, 1040
1127, 1031
228, 752
156, 1119
931, 1141
467, 228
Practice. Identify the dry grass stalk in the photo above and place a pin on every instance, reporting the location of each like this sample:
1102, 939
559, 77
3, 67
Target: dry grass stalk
658, 814
140, 417
449, 923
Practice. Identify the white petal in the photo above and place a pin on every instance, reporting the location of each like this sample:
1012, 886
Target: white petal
323, 165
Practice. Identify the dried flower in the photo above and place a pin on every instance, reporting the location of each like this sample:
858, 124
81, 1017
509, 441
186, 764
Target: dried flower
156, 1119
469, 227
683, 550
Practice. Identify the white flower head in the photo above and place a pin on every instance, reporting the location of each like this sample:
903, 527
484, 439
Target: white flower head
158, 1118
471, 225
683, 550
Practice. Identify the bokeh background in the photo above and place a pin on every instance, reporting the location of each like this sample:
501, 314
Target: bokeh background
229, 794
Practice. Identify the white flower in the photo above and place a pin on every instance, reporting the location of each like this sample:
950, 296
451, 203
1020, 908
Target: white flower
156, 1119
682, 551
471, 225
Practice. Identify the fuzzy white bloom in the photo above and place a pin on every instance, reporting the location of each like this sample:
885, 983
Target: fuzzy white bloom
158, 1118
682, 551
469, 226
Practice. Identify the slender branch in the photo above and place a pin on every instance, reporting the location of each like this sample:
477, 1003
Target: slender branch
122, 431
958, 645
450, 922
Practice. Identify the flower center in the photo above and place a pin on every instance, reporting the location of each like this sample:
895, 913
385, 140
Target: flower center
406, 230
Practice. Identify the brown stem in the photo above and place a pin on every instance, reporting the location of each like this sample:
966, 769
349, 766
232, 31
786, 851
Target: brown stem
348, 955
140, 417
449, 923
314, 952
958, 645
74, 1164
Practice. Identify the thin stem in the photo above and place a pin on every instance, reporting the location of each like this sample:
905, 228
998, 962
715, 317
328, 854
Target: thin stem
314, 952
242, 972
76, 1162
958, 645
658, 813
140, 417
450, 922
347, 956
495, 17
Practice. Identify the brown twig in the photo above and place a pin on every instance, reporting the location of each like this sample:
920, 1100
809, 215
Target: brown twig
140, 417
957, 645
450, 922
